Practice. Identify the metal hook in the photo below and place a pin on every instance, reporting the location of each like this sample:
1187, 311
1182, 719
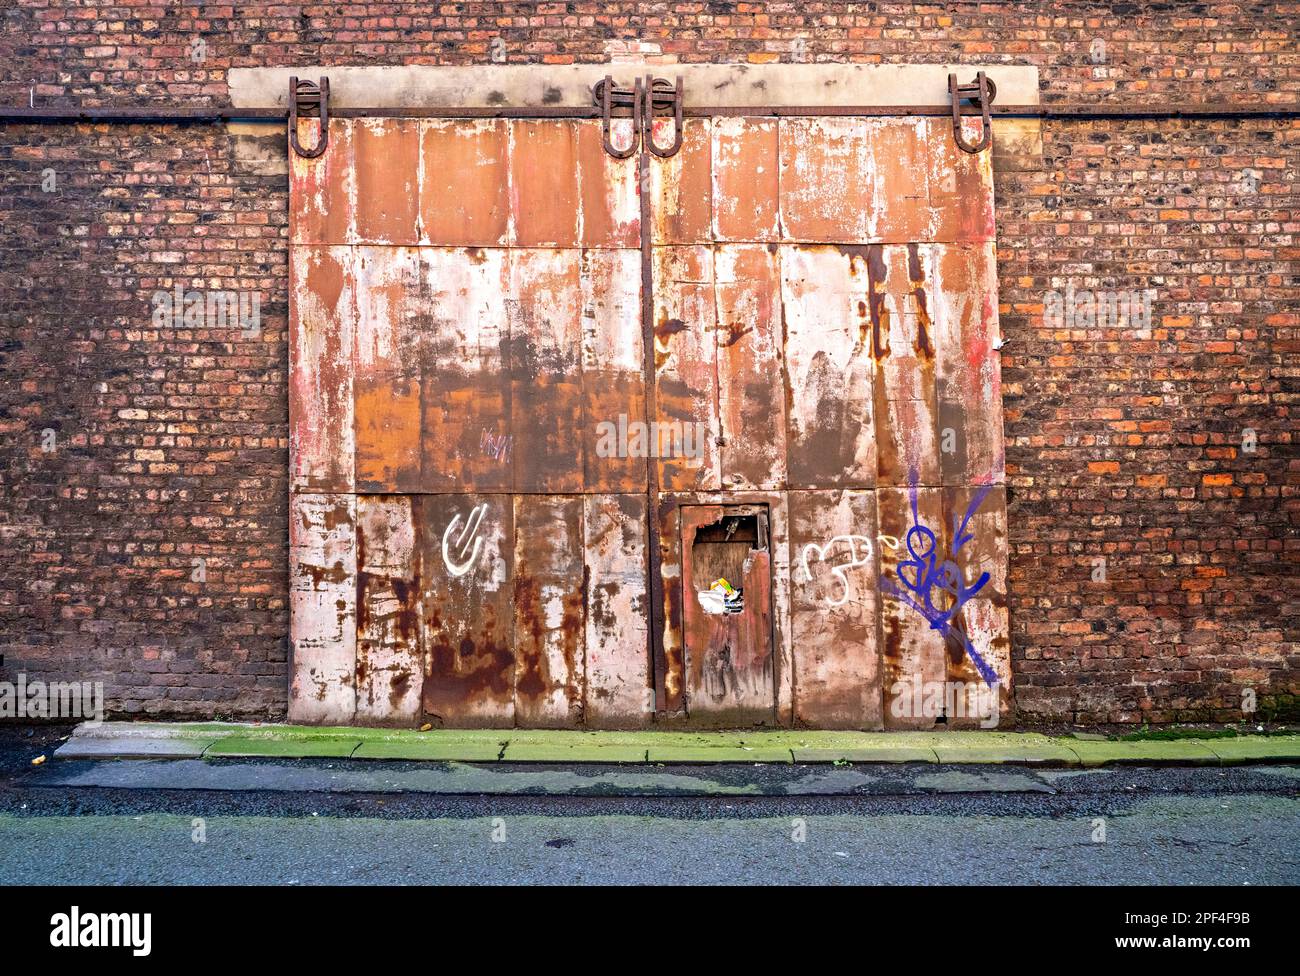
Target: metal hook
309, 97
661, 87
980, 92
606, 95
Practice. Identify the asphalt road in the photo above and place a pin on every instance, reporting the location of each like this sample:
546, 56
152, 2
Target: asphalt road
1133, 826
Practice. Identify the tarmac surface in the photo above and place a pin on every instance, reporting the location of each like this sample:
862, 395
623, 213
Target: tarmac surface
362, 822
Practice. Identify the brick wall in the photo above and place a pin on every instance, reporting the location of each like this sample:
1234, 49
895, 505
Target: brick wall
145, 543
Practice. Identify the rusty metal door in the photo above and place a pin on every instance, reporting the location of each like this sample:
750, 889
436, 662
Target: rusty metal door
797, 316
727, 614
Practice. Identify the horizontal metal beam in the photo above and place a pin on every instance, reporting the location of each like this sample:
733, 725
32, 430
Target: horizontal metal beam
159, 115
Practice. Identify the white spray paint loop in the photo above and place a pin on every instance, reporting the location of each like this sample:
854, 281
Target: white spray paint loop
841, 571
470, 531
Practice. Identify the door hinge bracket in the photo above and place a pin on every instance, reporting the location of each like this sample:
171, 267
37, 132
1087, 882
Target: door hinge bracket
307, 100
647, 97
979, 93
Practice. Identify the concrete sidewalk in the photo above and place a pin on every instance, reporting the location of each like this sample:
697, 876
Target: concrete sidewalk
213, 740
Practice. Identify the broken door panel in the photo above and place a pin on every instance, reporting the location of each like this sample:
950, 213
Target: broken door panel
613, 381
323, 605
322, 323
611, 206
549, 619
979, 648
464, 186
467, 544
751, 395
727, 634
386, 160
902, 346
467, 438
545, 363
913, 651
830, 439
681, 186
835, 609
387, 373
544, 198
967, 369
619, 689
746, 179
324, 189
686, 382
389, 653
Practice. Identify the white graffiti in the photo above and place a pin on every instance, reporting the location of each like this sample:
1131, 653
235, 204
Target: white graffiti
840, 571
468, 534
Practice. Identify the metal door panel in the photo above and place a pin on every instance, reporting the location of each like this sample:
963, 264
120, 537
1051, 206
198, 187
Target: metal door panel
468, 624
751, 394
322, 325
835, 609
549, 610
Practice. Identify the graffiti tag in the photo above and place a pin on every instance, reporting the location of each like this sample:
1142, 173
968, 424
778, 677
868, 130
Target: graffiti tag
859, 555
923, 574
468, 534
495, 446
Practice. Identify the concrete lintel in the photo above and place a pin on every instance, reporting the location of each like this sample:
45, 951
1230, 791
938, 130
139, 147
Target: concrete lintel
569, 85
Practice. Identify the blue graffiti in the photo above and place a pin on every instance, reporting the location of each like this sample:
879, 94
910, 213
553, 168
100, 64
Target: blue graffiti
922, 574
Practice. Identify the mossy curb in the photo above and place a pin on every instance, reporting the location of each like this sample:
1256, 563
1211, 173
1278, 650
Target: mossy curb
229, 740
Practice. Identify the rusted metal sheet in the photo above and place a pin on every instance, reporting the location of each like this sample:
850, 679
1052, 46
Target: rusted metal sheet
545, 364
323, 605
467, 548
728, 649
751, 393
835, 609
960, 185
613, 383
549, 610
681, 187
826, 174
804, 344
900, 309
831, 441
464, 184
619, 691
545, 199
898, 160
466, 416
386, 380
913, 656
669, 652
746, 175
686, 381
968, 384
386, 173
916, 185
322, 326
979, 652
389, 645
611, 209
323, 190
